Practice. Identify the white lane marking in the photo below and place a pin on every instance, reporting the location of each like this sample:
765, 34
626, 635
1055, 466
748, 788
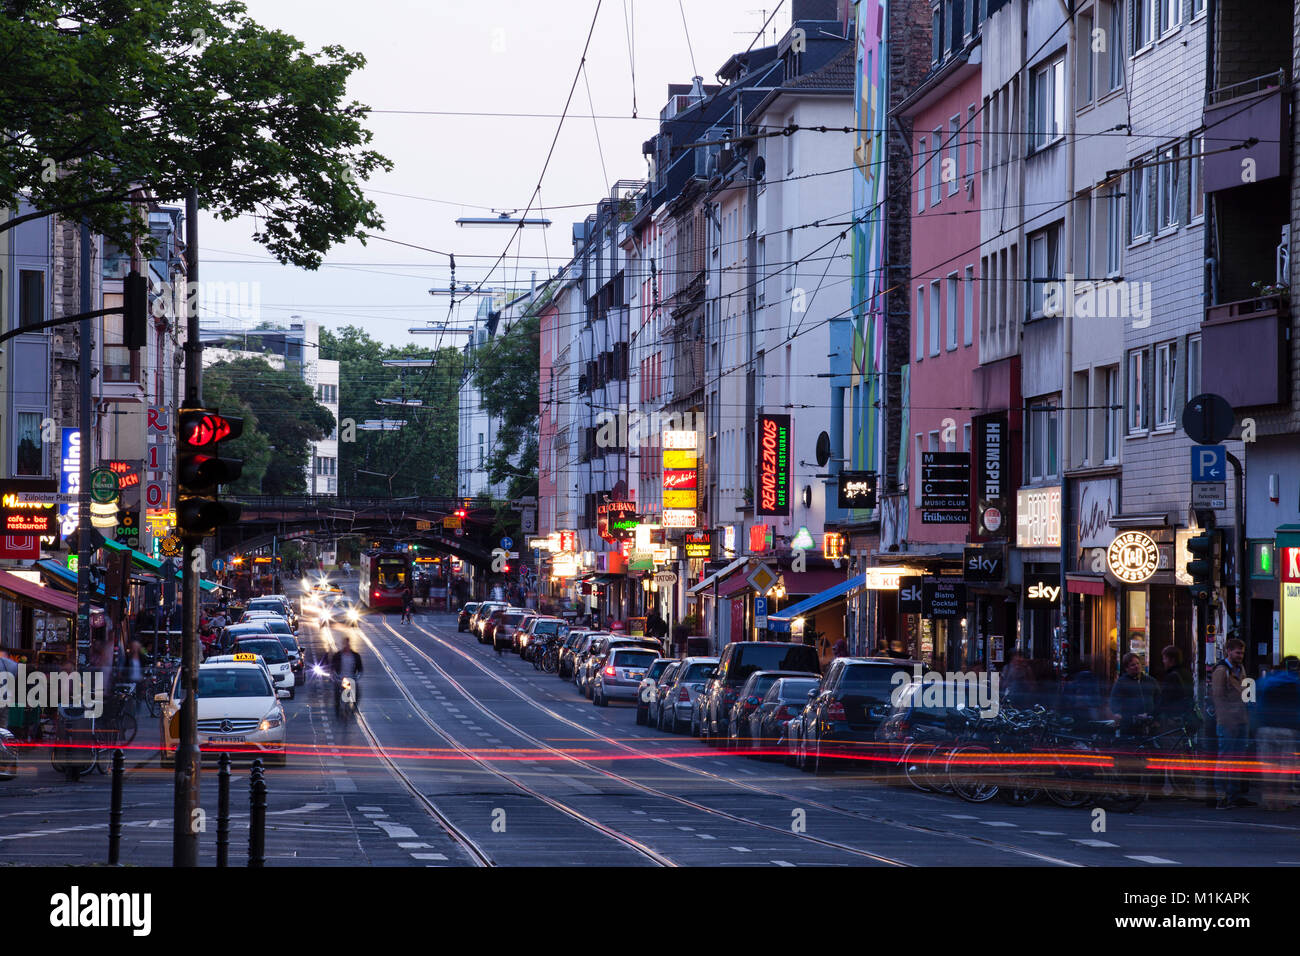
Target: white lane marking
997, 823
428, 856
1045, 832
705, 836
782, 863
658, 820
639, 812
395, 830
414, 846
1153, 859
1094, 843
742, 849
370, 809
960, 816
687, 829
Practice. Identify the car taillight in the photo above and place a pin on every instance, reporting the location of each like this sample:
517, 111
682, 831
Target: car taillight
835, 711
783, 713
684, 696
375, 594
609, 671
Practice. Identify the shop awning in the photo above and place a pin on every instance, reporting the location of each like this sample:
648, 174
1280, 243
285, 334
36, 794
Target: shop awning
1082, 585
156, 566
47, 599
62, 579
781, 622
719, 575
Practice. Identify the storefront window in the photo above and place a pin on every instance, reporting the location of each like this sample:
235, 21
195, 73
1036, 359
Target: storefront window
1137, 623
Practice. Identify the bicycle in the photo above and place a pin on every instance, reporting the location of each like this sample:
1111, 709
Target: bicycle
75, 760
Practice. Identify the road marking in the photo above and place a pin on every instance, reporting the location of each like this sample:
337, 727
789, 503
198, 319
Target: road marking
687, 829
1094, 843
960, 816
395, 830
742, 849
415, 846
1152, 859
428, 856
705, 836
782, 863
658, 820
640, 812
370, 809
1045, 832
997, 823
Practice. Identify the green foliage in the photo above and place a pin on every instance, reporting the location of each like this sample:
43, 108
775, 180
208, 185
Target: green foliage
285, 414
506, 372
420, 459
101, 97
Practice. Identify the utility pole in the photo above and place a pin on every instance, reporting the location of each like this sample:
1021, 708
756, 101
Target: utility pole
185, 838
85, 443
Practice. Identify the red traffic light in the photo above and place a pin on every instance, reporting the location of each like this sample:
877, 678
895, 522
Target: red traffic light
200, 428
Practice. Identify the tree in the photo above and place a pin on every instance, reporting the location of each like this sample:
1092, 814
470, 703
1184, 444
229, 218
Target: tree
102, 97
419, 459
506, 373
253, 446
285, 412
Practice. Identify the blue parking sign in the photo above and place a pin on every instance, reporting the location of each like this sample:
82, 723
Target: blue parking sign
1209, 463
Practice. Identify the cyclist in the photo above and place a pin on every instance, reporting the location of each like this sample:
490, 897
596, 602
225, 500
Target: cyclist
345, 662
408, 605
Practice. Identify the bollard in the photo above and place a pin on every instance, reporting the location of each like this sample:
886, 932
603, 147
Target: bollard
115, 810
257, 816
223, 811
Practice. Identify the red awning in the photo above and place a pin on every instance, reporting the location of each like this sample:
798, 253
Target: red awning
47, 599
1085, 585
732, 585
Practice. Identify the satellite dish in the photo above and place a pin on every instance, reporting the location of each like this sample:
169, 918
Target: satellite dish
823, 449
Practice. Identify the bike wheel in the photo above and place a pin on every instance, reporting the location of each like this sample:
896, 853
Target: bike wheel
550, 664
935, 769
913, 767
972, 773
126, 728
1121, 794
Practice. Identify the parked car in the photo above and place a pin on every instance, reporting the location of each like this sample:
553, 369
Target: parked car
505, 630
769, 722
677, 704
599, 651
847, 710
480, 618
661, 684
737, 661
620, 676
749, 700
489, 626
794, 730
466, 612
540, 627
582, 651
231, 632
568, 652
646, 692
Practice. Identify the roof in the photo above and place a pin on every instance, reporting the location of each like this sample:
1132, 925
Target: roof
837, 74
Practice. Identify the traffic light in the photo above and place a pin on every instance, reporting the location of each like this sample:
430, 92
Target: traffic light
461, 513
135, 304
1200, 566
200, 470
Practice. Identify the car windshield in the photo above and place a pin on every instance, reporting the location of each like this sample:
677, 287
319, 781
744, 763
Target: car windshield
623, 658
512, 618
780, 657
270, 651
868, 680
796, 689
548, 627
279, 626
470, 608
232, 682
288, 641
698, 671
657, 669
762, 683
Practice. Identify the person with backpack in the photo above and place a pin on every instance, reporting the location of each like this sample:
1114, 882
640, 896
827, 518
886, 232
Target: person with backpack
1232, 724
1176, 706
1277, 720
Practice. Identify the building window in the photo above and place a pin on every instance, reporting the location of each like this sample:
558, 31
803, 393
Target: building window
1115, 45
1139, 194
31, 450
1166, 384
1114, 231
1041, 453
954, 153
936, 317
1083, 230
968, 326
936, 34
1198, 7
936, 168
1195, 166
970, 136
31, 297
1171, 14
1085, 61
920, 323
954, 318
920, 174
1047, 103
1145, 17
1114, 409
1167, 188
1139, 373
1044, 266
1193, 366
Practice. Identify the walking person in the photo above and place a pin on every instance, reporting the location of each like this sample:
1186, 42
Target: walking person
1232, 722
1133, 696
1277, 713
1176, 706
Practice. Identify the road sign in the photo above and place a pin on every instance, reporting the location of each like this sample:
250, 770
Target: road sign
521, 504
507, 543
760, 612
528, 521
48, 498
423, 525
762, 579
103, 486
452, 521
1208, 419
1209, 463
665, 577
1210, 494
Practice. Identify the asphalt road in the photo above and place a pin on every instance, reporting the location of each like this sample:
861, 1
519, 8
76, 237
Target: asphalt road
463, 757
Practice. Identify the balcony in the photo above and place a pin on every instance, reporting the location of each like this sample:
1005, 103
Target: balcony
1245, 344
1256, 109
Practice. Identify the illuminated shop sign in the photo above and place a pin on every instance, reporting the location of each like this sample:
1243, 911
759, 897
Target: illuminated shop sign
773, 496
1133, 557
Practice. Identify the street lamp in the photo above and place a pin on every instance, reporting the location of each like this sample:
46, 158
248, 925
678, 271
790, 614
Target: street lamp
505, 218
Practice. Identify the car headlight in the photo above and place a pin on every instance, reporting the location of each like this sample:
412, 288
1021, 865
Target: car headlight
272, 720
353, 615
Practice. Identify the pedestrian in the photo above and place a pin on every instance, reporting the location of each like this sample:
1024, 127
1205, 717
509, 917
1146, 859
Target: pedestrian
1016, 679
1232, 724
7, 664
841, 648
1081, 693
1175, 705
1277, 719
1133, 696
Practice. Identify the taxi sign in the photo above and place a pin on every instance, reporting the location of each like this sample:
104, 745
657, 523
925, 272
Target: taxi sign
242, 658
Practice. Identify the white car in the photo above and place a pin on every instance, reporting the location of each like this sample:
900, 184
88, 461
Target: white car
272, 651
239, 710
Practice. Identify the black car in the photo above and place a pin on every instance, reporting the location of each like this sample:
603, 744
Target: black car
747, 702
466, 612
769, 722
739, 660
841, 721
647, 691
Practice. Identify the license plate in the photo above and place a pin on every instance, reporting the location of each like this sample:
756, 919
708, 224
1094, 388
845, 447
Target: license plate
227, 740
635, 675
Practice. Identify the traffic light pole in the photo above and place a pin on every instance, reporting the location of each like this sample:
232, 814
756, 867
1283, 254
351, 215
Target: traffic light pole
185, 836
85, 446
1242, 556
